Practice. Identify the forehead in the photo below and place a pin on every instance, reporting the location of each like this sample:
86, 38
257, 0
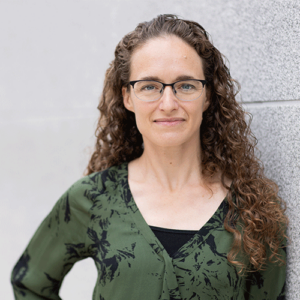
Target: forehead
166, 58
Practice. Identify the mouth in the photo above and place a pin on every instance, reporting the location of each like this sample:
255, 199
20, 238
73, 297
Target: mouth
169, 121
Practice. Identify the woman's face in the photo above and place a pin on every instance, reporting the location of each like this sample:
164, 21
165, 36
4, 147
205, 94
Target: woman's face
168, 121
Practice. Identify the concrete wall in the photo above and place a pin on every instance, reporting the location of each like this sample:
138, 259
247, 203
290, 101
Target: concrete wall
53, 57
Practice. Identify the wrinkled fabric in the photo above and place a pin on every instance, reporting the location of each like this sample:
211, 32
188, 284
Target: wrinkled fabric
98, 218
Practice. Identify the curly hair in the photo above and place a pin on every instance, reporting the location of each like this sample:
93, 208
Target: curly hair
256, 213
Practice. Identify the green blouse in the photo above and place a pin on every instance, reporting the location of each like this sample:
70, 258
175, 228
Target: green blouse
97, 217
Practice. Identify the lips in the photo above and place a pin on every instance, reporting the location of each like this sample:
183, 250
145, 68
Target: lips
169, 121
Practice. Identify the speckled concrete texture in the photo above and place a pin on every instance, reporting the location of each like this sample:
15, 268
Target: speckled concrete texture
261, 39
277, 129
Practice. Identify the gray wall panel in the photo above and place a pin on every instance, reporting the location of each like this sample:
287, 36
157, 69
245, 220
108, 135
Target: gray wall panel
261, 41
278, 131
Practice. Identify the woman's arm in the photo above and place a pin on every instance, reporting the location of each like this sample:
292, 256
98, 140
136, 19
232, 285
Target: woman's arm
57, 244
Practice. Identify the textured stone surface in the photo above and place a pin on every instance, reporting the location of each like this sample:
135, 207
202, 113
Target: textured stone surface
261, 41
277, 129
53, 58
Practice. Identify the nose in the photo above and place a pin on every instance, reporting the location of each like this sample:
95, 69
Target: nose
168, 101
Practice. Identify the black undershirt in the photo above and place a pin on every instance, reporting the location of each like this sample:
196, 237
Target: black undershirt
172, 239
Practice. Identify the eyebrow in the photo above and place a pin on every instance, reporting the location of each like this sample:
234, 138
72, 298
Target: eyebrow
178, 78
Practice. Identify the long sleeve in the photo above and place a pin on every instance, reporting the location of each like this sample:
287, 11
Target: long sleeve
268, 284
57, 244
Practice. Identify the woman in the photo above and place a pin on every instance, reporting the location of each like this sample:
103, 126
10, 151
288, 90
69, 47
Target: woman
175, 204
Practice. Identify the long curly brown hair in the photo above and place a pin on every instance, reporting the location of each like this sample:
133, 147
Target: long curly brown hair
256, 212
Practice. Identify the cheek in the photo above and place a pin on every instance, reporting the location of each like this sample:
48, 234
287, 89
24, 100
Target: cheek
141, 118
197, 114
139, 124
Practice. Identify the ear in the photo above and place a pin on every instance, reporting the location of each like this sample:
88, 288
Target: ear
207, 101
206, 104
127, 99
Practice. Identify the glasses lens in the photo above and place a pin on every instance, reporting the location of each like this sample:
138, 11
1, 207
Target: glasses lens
188, 90
148, 90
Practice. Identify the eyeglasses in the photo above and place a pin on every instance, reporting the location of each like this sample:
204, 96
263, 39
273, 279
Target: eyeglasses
184, 90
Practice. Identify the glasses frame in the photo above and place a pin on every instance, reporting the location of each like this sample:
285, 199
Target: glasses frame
132, 83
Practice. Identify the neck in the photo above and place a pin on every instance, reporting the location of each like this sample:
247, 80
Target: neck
170, 167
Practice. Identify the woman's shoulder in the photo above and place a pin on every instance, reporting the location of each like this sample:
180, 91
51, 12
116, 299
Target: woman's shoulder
99, 183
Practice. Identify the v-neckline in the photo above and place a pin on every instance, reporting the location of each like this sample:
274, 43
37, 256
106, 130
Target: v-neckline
215, 222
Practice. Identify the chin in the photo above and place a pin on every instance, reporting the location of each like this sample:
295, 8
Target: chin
169, 140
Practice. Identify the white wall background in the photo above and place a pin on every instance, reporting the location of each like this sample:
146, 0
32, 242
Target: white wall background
53, 55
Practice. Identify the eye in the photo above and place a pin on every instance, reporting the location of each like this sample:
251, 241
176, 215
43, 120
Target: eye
187, 87
148, 88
